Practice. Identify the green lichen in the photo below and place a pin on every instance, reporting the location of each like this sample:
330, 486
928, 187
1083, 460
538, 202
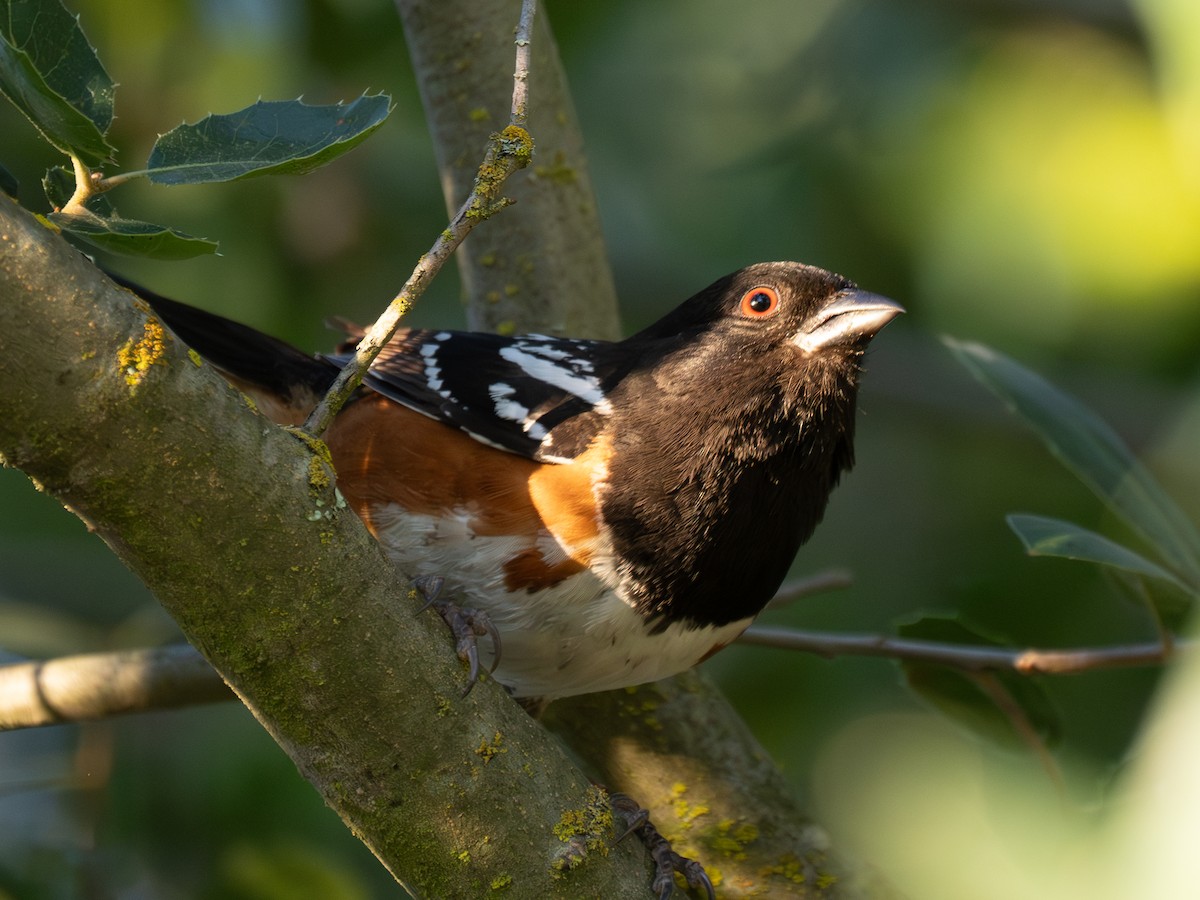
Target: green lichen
137, 357
489, 750
510, 150
686, 813
502, 882
585, 829
195, 357
318, 475
558, 171
732, 839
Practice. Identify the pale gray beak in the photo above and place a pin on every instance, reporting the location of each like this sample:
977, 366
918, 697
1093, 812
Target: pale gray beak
850, 317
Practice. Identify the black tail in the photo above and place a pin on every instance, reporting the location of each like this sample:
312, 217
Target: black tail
239, 350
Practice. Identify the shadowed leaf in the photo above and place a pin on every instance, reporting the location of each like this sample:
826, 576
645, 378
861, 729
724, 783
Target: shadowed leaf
50, 72
133, 238
963, 696
1087, 446
9, 183
1053, 537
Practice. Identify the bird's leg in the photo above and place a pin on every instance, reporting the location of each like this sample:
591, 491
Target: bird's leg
467, 626
666, 861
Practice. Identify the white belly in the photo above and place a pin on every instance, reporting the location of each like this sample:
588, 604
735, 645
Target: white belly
573, 638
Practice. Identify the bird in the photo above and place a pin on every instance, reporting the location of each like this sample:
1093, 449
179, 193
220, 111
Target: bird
614, 511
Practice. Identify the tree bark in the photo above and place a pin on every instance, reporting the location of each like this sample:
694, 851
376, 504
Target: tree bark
545, 268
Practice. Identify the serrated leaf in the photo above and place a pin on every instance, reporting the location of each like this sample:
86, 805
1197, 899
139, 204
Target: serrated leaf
9, 183
1088, 447
1044, 536
50, 72
133, 238
961, 695
287, 137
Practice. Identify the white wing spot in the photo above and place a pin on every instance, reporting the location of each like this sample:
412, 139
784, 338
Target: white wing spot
585, 387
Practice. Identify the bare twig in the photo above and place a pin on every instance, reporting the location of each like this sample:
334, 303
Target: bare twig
520, 101
1026, 731
962, 656
508, 151
791, 591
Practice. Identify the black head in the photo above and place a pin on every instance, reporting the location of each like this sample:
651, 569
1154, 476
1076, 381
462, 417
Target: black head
770, 304
728, 453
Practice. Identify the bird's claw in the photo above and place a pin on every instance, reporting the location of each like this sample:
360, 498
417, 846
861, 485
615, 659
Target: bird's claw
467, 626
666, 861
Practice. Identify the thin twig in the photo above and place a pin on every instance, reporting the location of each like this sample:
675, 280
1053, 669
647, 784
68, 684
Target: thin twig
791, 591
520, 100
962, 656
507, 152
1026, 731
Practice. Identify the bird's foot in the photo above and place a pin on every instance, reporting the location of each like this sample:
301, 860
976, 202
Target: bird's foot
666, 861
467, 626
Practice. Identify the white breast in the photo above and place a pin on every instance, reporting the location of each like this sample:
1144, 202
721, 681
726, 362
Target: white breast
576, 637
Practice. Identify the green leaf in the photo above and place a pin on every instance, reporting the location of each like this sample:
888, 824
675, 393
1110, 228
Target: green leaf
1053, 537
9, 183
1087, 446
965, 698
51, 74
59, 185
133, 238
286, 137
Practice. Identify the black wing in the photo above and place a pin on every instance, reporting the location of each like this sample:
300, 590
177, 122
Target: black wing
536, 396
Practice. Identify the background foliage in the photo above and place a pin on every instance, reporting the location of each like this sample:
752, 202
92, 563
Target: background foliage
1024, 174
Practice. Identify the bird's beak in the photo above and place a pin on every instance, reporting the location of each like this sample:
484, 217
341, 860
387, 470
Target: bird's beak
850, 317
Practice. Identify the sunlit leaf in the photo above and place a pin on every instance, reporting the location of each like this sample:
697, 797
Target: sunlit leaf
269, 137
133, 238
1087, 446
50, 72
964, 697
1053, 537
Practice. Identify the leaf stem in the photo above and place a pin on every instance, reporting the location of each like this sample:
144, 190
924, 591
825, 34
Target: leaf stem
85, 188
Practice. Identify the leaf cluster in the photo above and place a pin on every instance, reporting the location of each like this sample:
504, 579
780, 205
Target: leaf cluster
51, 73
1162, 575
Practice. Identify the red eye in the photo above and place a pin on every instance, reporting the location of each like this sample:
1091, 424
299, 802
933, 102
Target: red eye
759, 302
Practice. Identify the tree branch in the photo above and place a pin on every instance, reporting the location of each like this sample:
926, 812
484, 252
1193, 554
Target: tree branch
546, 269
1029, 661
98, 685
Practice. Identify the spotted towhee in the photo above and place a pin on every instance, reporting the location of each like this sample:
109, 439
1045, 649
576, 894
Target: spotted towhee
619, 510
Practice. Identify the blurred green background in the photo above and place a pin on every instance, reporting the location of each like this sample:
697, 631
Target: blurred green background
1018, 172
